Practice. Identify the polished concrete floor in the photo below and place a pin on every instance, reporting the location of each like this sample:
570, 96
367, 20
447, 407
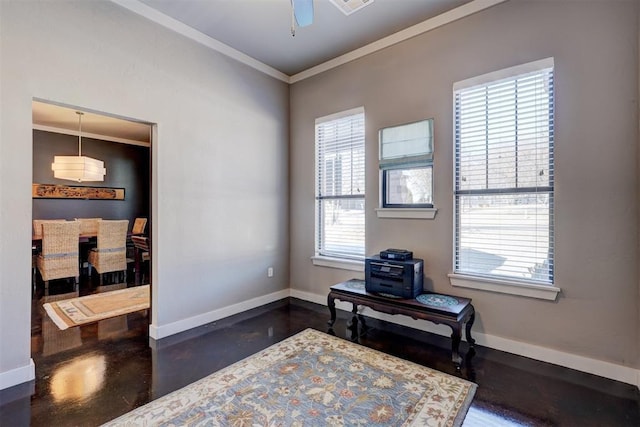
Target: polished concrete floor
88, 375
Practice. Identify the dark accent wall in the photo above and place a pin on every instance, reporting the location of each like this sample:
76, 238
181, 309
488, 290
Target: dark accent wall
127, 167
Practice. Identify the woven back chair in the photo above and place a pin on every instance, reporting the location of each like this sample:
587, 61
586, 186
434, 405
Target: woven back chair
110, 254
59, 256
37, 226
138, 226
141, 243
89, 226
35, 248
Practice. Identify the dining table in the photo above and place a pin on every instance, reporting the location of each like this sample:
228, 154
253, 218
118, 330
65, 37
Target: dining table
36, 240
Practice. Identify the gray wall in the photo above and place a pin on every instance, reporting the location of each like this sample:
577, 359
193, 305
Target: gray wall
127, 167
219, 158
595, 46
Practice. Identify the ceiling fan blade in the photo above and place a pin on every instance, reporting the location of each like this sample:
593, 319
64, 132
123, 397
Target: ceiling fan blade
303, 11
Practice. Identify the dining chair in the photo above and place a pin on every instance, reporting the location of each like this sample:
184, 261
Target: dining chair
37, 226
36, 246
110, 254
88, 226
139, 226
58, 258
142, 250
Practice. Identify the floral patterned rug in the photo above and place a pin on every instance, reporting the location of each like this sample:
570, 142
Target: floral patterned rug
313, 379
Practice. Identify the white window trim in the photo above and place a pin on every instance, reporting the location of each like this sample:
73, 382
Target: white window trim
492, 284
339, 115
506, 73
340, 263
403, 213
512, 287
335, 261
407, 213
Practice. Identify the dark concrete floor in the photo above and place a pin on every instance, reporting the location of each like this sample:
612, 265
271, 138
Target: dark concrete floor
100, 371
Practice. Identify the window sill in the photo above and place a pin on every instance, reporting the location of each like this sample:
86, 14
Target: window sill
505, 286
343, 264
412, 213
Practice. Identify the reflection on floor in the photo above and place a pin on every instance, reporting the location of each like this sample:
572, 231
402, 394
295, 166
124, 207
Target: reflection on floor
116, 326
116, 371
53, 339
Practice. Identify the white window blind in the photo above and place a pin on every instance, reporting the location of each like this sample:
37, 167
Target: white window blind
504, 174
340, 184
406, 144
406, 165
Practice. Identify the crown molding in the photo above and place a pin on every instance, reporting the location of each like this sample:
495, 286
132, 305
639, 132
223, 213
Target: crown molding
424, 26
193, 34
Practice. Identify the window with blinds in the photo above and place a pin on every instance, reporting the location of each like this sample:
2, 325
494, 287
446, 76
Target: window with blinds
406, 165
504, 174
340, 184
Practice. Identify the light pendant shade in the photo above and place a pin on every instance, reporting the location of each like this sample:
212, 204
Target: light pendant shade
78, 168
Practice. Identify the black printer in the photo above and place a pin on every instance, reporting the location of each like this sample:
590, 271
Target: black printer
400, 278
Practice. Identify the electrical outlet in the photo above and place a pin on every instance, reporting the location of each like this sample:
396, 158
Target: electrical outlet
270, 272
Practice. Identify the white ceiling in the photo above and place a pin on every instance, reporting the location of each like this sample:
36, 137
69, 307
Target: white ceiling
258, 32
261, 29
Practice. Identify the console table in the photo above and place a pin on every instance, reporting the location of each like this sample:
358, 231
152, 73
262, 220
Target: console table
452, 311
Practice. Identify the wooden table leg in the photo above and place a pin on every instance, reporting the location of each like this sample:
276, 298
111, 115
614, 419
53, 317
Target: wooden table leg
137, 255
363, 325
332, 308
353, 327
468, 326
354, 310
455, 345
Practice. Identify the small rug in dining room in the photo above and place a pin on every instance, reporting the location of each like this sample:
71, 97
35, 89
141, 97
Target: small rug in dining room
313, 379
92, 308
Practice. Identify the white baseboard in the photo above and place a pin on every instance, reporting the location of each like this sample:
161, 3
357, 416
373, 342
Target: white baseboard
17, 376
597, 367
159, 332
601, 368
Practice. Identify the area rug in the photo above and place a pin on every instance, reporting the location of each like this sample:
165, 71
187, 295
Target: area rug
92, 308
313, 379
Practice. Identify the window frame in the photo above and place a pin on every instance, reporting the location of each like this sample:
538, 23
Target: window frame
496, 282
323, 257
387, 205
405, 162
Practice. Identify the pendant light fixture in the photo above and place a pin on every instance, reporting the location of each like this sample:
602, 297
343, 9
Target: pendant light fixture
78, 168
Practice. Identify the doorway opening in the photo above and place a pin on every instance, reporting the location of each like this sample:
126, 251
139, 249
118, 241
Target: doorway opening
90, 301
